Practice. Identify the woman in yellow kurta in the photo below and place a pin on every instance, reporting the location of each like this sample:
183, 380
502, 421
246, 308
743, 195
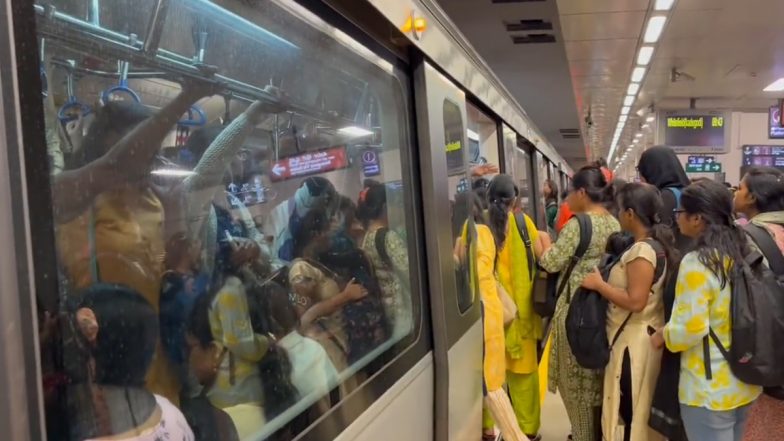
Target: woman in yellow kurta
514, 272
109, 219
482, 249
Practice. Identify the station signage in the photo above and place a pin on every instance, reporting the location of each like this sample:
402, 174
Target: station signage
703, 164
309, 164
763, 156
693, 131
371, 166
775, 128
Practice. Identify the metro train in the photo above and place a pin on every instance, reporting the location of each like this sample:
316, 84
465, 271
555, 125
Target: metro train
351, 91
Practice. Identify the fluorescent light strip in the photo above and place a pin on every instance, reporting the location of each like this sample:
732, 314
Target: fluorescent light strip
472, 135
355, 131
645, 55
633, 89
625, 110
654, 29
776, 86
172, 172
663, 5
638, 74
629, 100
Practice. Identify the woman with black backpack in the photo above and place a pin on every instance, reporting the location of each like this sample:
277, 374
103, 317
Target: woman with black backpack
760, 198
634, 290
713, 402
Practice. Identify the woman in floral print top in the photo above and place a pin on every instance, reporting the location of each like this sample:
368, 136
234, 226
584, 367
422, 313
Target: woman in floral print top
580, 389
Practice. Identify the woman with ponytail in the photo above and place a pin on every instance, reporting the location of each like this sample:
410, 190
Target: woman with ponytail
580, 388
635, 295
716, 408
515, 274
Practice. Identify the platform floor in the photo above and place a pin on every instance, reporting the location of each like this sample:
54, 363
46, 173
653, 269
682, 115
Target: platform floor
555, 423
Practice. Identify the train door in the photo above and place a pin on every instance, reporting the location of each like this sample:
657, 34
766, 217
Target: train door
457, 330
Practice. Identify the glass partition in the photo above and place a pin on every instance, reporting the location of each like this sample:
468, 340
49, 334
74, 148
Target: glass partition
231, 231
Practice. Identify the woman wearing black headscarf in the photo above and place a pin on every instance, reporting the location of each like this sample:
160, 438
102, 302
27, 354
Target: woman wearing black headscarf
659, 166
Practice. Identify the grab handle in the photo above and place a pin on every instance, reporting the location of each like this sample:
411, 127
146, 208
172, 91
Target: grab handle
65, 113
196, 118
122, 69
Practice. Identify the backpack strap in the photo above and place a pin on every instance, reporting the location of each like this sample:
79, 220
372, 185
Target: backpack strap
661, 259
677, 193
522, 228
381, 246
586, 231
706, 351
767, 245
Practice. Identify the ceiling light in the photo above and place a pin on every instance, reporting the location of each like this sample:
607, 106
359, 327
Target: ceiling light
650, 118
638, 74
645, 55
663, 5
355, 131
646, 125
629, 100
633, 89
638, 135
623, 118
472, 135
625, 110
172, 172
636, 141
654, 28
776, 86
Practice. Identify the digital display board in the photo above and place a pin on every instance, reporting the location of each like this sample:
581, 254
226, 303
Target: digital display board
694, 131
763, 156
309, 163
775, 130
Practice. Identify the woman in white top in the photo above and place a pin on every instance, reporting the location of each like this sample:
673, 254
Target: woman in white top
634, 289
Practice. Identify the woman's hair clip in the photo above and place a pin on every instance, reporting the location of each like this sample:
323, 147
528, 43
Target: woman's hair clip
363, 194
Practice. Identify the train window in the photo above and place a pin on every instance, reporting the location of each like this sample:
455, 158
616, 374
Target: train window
482, 134
230, 218
542, 173
521, 170
459, 190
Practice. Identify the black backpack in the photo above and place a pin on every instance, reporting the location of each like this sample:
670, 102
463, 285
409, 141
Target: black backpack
756, 354
546, 288
586, 321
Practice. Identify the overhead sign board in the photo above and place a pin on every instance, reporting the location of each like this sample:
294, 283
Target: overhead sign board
309, 164
763, 156
775, 129
714, 167
694, 131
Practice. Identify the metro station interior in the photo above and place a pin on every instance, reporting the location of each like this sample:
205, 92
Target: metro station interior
231, 220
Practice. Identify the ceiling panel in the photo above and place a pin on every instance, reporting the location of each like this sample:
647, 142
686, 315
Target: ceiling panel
569, 7
614, 25
600, 49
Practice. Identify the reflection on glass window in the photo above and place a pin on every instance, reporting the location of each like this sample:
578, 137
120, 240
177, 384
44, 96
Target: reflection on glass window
230, 219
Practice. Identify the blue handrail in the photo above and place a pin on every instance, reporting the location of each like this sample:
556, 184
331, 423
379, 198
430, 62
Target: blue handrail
65, 115
196, 118
122, 87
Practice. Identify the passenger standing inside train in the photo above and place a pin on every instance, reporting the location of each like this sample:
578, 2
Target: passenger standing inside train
118, 330
480, 243
635, 296
514, 271
711, 409
389, 255
550, 193
580, 389
110, 217
760, 198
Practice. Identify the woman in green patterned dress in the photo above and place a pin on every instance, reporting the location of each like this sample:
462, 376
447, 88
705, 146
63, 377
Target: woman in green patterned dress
580, 389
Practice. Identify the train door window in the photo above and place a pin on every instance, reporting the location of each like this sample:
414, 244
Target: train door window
460, 188
232, 225
522, 175
541, 164
482, 134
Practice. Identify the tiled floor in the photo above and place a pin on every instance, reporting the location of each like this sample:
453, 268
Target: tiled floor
555, 423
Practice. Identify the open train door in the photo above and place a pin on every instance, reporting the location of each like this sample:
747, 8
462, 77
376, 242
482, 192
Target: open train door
456, 324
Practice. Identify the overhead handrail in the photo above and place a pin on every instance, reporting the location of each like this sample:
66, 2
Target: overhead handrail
63, 27
65, 114
227, 96
196, 117
122, 87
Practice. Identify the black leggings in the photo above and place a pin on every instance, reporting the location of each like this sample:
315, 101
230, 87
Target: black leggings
626, 395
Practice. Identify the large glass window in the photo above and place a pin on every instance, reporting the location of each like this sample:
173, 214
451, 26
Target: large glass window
231, 231
542, 174
482, 133
518, 164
